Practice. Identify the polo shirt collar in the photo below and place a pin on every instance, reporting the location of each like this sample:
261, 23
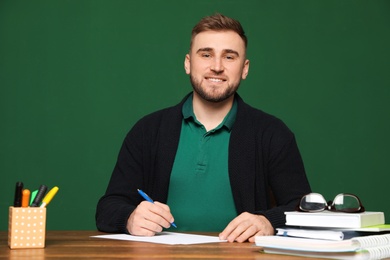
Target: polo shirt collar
228, 121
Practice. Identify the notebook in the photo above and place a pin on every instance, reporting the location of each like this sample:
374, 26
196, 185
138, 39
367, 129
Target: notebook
366, 247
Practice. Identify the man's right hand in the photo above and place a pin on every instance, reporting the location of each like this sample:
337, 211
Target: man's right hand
149, 218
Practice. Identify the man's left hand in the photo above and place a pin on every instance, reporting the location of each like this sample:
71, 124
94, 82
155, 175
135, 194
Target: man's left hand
245, 227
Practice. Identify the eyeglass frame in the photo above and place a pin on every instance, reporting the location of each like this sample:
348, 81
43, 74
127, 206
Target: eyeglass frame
332, 207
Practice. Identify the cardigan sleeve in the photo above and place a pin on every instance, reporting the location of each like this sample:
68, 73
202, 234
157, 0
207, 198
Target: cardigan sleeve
121, 198
265, 166
144, 162
285, 175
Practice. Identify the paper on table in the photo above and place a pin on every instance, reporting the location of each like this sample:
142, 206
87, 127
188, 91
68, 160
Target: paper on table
168, 238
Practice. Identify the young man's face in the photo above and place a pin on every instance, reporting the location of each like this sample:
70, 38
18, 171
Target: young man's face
216, 64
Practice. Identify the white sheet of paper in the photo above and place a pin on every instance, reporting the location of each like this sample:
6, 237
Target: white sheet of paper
168, 238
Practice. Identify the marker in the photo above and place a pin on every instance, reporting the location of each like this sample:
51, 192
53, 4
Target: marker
49, 196
147, 198
33, 195
25, 198
18, 194
38, 198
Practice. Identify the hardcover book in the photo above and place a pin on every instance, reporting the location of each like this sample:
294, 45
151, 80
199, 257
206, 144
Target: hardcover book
334, 219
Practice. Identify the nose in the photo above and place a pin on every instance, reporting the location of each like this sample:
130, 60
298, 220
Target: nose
217, 65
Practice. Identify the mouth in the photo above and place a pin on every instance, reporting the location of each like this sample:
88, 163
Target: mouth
215, 79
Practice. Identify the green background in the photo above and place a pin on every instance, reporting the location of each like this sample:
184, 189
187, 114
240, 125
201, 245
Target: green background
76, 75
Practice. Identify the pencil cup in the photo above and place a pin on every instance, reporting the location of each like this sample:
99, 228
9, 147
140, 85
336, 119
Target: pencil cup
26, 227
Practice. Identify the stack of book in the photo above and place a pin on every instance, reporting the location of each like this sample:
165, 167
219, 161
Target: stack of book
330, 235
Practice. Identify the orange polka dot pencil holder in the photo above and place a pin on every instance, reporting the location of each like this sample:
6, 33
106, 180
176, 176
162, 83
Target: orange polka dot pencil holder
26, 227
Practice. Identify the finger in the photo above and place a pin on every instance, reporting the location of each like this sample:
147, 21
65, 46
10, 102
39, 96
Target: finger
157, 212
154, 214
162, 205
164, 211
144, 222
252, 238
246, 234
150, 227
146, 228
239, 233
236, 227
228, 230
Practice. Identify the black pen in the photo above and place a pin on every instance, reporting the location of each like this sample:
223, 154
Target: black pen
18, 194
38, 198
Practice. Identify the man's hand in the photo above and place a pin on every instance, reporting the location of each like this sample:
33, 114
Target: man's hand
245, 227
149, 218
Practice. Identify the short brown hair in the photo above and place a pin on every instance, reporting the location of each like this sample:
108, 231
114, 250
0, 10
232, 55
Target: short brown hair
218, 22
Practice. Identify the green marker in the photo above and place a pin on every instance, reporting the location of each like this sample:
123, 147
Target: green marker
33, 194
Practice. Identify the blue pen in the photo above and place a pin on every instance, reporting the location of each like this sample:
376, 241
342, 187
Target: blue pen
147, 198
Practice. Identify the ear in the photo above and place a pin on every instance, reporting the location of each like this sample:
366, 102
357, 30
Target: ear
245, 70
187, 65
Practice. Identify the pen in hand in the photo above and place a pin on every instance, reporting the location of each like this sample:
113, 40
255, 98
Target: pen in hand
147, 198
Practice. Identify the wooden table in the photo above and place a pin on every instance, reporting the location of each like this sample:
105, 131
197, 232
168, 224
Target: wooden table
79, 245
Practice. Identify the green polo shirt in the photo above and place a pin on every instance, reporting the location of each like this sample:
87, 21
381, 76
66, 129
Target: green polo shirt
200, 196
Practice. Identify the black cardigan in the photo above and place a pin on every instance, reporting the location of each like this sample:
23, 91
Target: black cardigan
265, 167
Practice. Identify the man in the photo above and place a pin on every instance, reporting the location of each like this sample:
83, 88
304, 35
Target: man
218, 163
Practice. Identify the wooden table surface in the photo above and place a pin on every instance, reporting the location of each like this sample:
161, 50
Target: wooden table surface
79, 245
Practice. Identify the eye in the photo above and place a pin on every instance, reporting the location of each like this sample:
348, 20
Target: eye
230, 57
205, 54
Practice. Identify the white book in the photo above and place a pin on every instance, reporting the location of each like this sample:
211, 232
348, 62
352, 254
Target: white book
331, 219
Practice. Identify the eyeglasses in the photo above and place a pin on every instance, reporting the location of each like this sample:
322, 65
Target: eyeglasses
343, 202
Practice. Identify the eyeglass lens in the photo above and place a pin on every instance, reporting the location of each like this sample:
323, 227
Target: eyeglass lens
346, 202
342, 202
313, 202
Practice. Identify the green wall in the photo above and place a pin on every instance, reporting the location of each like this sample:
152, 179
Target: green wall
76, 75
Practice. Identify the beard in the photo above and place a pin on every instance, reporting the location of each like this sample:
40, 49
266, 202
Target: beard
213, 95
